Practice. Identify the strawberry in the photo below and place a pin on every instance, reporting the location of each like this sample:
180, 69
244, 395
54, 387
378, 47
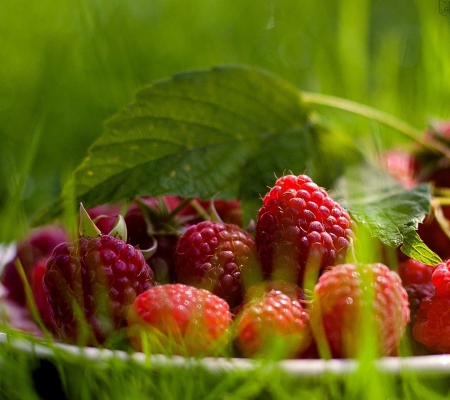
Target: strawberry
91, 282
179, 319
301, 227
271, 323
349, 296
218, 257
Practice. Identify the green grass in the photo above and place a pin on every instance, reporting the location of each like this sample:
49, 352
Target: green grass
67, 66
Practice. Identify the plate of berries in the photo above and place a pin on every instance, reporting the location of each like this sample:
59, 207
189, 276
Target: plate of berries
177, 279
183, 253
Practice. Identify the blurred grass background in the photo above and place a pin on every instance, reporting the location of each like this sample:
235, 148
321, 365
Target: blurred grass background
66, 66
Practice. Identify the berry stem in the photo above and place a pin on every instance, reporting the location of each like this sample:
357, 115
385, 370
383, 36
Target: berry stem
377, 115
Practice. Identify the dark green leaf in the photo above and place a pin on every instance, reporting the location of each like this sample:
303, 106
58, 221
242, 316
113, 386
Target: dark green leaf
203, 133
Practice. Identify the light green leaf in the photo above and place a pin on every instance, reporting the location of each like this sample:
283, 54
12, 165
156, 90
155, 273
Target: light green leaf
387, 210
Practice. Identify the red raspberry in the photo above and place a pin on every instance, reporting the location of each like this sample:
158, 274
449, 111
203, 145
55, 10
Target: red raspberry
218, 257
300, 225
40, 295
39, 243
416, 293
340, 307
97, 279
441, 278
414, 272
433, 324
290, 289
105, 216
273, 324
149, 219
179, 319
228, 211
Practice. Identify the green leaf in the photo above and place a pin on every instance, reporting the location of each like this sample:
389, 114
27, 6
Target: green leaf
414, 247
201, 133
388, 210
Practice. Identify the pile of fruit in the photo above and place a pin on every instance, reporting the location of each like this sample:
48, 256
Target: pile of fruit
183, 276
180, 276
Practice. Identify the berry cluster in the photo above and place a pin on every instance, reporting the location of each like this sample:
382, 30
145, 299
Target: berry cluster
184, 276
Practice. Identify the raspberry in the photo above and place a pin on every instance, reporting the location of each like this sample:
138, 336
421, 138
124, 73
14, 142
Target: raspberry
441, 278
179, 319
40, 295
149, 219
228, 211
218, 257
433, 324
39, 243
290, 289
98, 279
105, 216
300, 225
414, 272
340, 307
273, 324
416, 293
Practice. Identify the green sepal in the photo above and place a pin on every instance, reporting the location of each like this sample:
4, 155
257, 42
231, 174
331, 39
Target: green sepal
119, 229
86, 226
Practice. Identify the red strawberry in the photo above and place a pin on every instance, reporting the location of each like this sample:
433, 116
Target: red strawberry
433, 324
179, 319
300, 227
273, 324
349, 297
218, 257
38, 244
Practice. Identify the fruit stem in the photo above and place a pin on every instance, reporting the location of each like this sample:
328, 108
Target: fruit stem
179, 207
375, 114
442, 201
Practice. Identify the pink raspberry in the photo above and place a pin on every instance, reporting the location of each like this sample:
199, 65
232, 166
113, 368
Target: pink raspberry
273, 324
341, 298
179, 319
